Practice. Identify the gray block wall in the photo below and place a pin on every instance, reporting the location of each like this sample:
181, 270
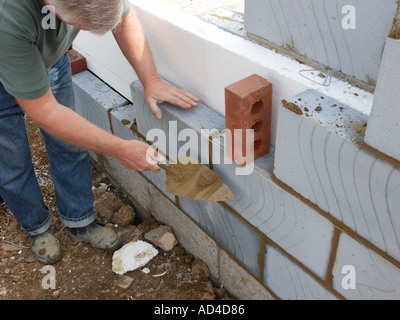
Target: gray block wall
346, 36
276, 240
218, 238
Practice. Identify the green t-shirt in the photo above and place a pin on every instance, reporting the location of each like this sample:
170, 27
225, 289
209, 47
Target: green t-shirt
27, 49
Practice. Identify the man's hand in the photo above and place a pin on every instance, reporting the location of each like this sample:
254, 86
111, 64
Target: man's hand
158, 91
139, 156
133, 43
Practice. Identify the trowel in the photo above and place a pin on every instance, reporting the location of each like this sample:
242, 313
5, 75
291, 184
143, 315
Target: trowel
190, 179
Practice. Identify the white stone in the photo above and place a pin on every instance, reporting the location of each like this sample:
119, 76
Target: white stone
132, 256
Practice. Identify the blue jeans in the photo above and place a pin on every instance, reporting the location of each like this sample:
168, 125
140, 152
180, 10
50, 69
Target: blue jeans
69, 165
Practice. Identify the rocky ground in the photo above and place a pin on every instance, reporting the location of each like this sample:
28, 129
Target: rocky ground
85, 274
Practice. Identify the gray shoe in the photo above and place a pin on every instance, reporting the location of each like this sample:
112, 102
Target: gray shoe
46, 247
101, 238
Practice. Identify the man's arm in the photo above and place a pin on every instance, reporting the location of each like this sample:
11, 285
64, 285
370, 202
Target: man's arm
69, 126
132, 41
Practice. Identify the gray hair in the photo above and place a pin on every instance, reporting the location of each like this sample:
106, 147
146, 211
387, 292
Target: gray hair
97, 16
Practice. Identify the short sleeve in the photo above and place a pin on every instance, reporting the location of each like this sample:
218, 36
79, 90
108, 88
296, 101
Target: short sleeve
22, 70
127, 8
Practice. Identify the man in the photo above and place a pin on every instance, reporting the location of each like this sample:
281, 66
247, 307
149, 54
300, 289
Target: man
35, 79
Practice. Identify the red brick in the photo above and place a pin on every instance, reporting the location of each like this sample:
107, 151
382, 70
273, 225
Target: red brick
248, 105
78, 62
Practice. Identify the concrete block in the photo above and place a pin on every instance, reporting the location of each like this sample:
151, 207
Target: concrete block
238, 282
331, 33
232, 233
384, 123
248, 106
290, 282
121, 121
177, 134
180, 131
373, 278
91, 91
319, 155
283, 218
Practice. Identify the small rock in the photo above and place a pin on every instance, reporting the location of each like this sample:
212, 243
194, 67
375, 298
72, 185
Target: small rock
221, 294
100, 187
3, 262
129, 234
200, 270
124, 282
106, 206
193, 290
111, 201
30, 257
162, 237
146, 270
56, 294
124, 216
180, 251
3, 292
103, 213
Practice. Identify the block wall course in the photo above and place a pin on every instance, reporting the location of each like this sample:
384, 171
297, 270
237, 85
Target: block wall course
320, 156
151, 200
280, 216
288, 281
285, 242
228, 230
268, 210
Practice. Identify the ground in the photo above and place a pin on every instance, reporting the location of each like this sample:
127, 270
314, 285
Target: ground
85, 274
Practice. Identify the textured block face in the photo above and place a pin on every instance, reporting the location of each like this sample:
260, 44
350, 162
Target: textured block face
319, 154
383, 129
331, 33
248, 105
78, 62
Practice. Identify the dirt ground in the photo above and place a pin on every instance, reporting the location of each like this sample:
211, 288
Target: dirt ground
85, 274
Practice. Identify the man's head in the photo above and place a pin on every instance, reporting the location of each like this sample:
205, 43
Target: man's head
97, 16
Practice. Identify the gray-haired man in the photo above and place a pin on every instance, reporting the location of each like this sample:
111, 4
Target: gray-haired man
35, 79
